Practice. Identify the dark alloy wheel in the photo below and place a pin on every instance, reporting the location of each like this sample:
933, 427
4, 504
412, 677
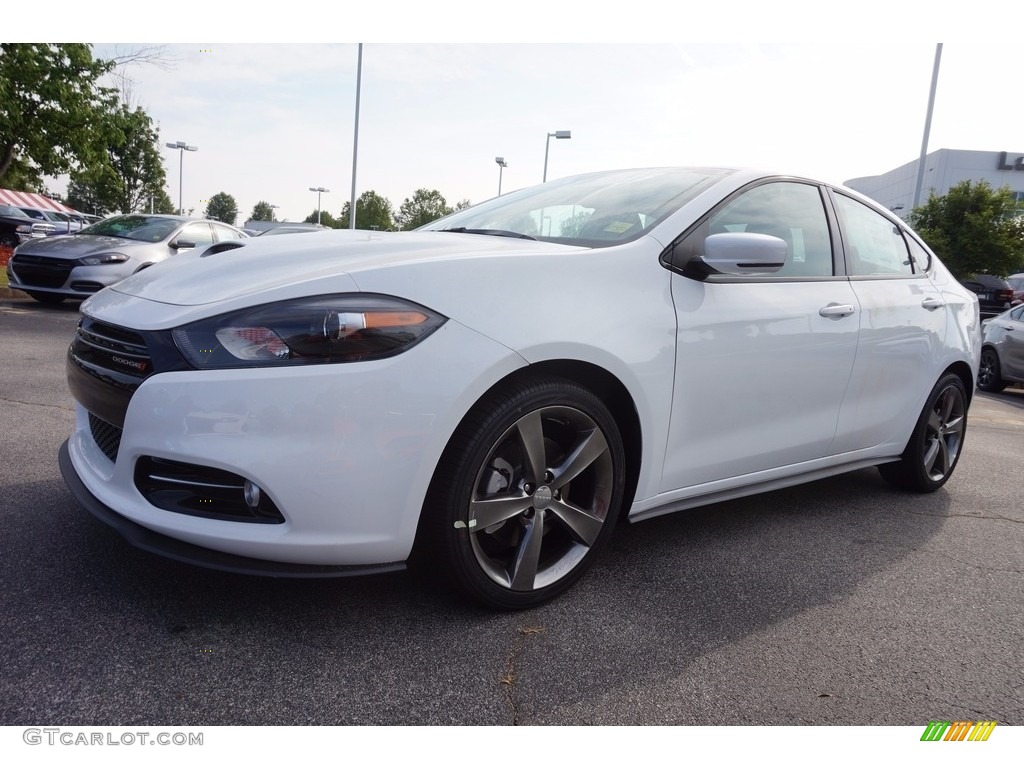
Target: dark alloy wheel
989, 376
527, 493
935, 445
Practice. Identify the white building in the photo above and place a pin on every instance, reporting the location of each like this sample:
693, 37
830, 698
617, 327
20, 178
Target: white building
943, 169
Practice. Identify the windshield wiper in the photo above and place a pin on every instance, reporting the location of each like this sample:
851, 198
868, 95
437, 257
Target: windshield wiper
495, 232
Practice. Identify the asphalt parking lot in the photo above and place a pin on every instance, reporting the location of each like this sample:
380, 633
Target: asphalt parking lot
837, 603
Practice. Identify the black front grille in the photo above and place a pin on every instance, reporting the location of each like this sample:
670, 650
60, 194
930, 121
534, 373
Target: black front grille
193, 489
107, 436
113, 348
105, 366
41, 271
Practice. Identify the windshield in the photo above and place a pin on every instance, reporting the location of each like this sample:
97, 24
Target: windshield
148, 229
597, 209
17, 213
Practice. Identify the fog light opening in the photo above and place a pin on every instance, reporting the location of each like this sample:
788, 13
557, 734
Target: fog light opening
251, 492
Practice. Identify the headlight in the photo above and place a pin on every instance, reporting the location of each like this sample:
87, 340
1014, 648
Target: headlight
103, 258
23, 228
324, 329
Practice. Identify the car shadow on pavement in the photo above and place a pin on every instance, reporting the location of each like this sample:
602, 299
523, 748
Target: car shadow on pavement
96, 618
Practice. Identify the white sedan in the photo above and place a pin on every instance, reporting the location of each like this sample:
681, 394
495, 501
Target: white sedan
494, 389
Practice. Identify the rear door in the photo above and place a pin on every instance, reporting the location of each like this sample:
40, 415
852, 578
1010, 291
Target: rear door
902, 329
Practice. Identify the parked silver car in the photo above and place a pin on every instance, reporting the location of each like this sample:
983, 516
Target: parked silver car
1002, 351
75, 267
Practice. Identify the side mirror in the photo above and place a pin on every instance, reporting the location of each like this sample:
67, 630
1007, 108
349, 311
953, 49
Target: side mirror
744, 253
181, 244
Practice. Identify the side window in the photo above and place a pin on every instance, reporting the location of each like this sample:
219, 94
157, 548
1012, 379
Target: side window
225, 233
922, 259
874, 245
792, 211
199, 233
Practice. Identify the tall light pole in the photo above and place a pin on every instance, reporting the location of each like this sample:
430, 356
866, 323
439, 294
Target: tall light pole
502, 165
182, 148
547, 144
927, 125
355, 140
319, 191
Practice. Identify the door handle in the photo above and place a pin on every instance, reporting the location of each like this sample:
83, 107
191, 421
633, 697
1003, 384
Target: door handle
933, 304
836, 310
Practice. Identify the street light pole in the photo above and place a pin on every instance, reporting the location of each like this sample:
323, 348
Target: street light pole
355, 140
547, 144
927, 126
182, 148
502, 165
318, 191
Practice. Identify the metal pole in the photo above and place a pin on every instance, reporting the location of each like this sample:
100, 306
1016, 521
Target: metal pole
927, 126
355, 141
181, 166
501, 168
547, 145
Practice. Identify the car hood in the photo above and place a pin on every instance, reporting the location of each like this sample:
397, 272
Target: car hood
257, 265
76, 246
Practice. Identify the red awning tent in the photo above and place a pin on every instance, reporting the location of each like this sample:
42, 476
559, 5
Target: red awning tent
32, 200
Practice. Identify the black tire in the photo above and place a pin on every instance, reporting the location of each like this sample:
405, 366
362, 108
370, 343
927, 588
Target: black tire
47, 298
8, 240
989, 373
934, 447
541, 456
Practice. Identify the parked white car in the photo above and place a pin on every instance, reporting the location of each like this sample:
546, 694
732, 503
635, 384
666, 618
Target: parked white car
497, 387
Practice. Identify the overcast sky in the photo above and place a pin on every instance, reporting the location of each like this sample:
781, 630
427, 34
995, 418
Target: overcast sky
273, 119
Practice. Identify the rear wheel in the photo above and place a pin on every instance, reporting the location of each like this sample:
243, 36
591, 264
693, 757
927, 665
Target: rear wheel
989, 374
527, 493
935, 445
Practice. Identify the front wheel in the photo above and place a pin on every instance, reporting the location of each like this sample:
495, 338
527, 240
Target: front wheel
935, 445
527, 493
989, 376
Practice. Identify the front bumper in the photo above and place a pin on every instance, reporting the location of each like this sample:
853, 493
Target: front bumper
148, 541
346, 452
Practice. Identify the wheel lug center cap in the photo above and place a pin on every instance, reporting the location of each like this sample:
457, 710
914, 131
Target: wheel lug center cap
542, 497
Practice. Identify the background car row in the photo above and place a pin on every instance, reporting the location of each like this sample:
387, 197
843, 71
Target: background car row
76, 266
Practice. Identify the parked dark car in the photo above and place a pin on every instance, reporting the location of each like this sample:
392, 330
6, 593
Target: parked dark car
16, 227
1002, 351
994, 294
1016, 283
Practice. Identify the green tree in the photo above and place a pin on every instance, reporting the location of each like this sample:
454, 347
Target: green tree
974, 229
130, 167
425, 206
160, 201
325, 220
262, 211
50, 101
373, 211
222, 207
